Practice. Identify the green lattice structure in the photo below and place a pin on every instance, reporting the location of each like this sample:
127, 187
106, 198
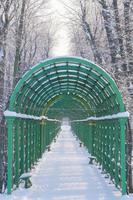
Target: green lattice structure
66, 87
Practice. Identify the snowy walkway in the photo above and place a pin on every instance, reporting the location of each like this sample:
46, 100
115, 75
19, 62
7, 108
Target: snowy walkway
64, 174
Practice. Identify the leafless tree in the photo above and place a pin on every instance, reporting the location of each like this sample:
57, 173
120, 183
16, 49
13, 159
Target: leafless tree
78, 14
26, 37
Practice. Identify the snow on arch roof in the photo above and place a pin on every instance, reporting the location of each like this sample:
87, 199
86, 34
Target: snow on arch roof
66, 75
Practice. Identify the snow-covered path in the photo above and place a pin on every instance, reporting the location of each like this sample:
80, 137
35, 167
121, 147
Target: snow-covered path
64, 174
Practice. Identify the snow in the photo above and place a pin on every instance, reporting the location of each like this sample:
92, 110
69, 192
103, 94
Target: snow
9, 113
114, 116
75, 57
1, 54
64, 174
25, 175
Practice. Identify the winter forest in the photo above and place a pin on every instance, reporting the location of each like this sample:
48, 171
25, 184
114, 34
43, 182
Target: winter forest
33, 30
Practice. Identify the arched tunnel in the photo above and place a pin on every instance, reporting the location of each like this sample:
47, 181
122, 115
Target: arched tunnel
66, 87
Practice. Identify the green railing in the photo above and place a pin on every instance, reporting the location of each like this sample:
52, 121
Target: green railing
30, 139
105, 141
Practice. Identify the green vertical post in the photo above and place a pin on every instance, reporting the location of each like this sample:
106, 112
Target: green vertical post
31, 145
30, 137
41, 139
16, 152
92, 139
33, 139
123, 160
36, 141
44, 136
111, 149
116, 155
27, 147
101, 144
9, 121
22, 132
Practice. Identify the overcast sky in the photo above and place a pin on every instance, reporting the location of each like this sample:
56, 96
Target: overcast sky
62, 44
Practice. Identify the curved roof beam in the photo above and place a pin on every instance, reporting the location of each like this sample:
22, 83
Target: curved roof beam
52, 77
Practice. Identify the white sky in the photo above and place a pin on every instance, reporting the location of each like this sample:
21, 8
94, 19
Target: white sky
62, 44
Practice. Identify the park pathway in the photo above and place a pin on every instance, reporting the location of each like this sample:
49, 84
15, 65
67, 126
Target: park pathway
64, 174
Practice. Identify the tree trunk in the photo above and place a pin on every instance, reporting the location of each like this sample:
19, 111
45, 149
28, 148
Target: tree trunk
119, 35
91, 40
19, 38
110, 32
88, 33
4, 21
128, 33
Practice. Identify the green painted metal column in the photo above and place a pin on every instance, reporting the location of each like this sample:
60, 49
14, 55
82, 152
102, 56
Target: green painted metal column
16, 149
22, 130
9, 121
27, 148
123, 156
117, 155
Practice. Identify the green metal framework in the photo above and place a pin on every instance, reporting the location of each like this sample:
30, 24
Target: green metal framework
42, 91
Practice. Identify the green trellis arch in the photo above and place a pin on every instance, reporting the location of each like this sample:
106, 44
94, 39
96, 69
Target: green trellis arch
45, 86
